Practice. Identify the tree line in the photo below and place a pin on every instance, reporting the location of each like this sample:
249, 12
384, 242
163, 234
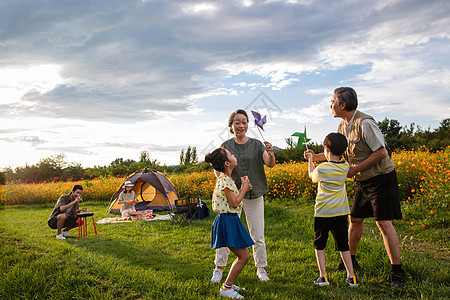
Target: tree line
56, 168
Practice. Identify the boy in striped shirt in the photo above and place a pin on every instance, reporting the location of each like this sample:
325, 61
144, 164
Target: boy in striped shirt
331, 209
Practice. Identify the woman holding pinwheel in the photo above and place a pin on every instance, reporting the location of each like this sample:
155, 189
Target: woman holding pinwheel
251, 156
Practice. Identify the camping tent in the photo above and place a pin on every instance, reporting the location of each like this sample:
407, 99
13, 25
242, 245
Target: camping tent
153, 191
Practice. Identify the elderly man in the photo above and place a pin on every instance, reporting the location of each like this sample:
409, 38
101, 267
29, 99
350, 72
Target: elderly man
376, 186
64, 215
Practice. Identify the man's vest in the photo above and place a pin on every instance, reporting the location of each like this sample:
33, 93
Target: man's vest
357, 150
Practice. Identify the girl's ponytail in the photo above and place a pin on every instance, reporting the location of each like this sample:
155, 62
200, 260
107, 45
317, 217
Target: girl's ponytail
217, 159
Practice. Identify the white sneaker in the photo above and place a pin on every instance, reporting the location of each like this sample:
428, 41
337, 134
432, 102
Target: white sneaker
217, 275
262, 274
60, 237
236, 288
65, 233
231, 293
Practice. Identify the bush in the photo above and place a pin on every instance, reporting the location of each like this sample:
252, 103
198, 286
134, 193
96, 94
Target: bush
423, 186
96, 190
423, 180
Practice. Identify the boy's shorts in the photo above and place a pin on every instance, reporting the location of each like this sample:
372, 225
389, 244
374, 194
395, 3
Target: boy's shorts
377, 197
339, 229
68, 222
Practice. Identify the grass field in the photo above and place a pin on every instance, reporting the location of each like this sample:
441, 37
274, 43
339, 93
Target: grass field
158, 260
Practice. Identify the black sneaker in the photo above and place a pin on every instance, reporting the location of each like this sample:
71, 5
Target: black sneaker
341, 266
356, 266
396, 280
321, 281
353, 282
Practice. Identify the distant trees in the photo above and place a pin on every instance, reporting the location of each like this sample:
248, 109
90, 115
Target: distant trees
46, 169
2, 178
123, 167
189, 157
293, 153
413, 137
188, 162
55, 168
397, 138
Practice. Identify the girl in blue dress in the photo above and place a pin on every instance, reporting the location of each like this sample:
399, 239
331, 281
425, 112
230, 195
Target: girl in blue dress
227, 229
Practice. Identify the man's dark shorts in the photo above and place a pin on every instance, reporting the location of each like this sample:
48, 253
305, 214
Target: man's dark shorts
52, 222
377, 197
339, 229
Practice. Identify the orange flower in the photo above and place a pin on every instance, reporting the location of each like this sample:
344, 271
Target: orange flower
413, 191
423, 226
432, 212
412, 223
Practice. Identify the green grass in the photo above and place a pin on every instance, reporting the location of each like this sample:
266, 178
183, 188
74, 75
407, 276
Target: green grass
158, 260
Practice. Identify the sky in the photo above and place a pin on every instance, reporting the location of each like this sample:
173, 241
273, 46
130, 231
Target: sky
106, 79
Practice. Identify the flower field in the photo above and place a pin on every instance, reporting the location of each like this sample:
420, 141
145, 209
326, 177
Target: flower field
423, 183
100, 189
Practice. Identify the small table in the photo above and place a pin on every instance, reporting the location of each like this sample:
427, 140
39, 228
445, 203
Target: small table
82, 221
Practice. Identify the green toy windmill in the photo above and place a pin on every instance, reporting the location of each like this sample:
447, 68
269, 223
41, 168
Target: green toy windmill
302, 139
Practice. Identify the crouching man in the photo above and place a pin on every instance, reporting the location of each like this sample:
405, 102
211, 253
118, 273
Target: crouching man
64, 214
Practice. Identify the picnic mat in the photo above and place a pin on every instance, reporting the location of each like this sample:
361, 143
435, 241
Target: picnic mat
124, 220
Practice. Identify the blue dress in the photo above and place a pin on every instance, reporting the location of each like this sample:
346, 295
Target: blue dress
228, 231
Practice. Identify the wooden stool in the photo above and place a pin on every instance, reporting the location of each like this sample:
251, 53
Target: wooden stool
82, 221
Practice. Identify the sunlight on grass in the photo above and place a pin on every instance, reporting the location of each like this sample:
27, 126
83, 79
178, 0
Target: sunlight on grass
157, 260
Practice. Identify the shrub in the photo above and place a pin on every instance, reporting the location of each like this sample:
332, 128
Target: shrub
423, 186
2, 178
96, 190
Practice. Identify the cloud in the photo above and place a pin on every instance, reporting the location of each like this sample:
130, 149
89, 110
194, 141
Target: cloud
128, 62
32, 140
68, 149
314, 114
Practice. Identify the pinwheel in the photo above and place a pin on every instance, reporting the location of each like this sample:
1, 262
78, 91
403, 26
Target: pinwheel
302, 139
259, 122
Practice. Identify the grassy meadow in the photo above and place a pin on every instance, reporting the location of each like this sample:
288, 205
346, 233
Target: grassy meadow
158, 260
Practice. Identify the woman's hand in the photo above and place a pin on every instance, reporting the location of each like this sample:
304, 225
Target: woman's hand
268, 155
269, 148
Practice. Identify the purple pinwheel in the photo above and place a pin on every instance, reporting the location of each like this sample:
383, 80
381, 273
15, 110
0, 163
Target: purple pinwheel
259, 122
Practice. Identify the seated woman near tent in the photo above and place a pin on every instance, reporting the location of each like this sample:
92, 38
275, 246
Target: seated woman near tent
128, 200
153, 191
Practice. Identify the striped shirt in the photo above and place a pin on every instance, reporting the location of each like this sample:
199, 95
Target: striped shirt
331, 200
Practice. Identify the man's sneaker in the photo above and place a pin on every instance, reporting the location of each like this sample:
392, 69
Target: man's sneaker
60, 237
262, 274
341, 266
396, 279
230, 292
355, 264
322, 281
353, 282
217, 275
65, 233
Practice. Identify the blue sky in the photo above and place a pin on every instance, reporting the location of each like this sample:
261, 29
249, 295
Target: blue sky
99, 80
